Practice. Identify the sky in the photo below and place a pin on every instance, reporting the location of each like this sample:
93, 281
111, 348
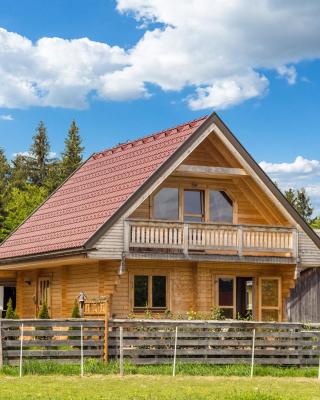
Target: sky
123, 69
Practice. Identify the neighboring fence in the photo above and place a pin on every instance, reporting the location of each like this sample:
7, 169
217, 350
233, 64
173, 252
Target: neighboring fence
304, 301
58, 340
153, 342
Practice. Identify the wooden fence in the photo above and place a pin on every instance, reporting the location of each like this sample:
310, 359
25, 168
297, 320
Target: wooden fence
58, 340
153, 341
303, 304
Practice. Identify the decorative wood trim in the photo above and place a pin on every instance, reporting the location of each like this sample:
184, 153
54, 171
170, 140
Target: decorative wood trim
199, 170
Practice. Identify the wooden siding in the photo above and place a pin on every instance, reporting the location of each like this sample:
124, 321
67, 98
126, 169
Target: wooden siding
110, 245
303, 304
308, 251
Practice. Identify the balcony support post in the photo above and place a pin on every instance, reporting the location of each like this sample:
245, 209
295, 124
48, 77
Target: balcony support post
185, 239
240, 241
127, 236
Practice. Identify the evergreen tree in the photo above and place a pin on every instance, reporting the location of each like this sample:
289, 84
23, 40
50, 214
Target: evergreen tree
11, 313
20, 171
303, 205
4, 190
301, 202
72, 155
44, 312
39, 151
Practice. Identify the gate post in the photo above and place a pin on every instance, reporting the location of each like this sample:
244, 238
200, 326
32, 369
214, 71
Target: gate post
106, 330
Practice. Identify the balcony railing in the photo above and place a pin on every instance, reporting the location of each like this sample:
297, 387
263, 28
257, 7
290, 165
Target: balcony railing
153, 235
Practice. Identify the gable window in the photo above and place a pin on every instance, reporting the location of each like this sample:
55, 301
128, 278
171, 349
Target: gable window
194, 205
220, 207
149, 291
166, 204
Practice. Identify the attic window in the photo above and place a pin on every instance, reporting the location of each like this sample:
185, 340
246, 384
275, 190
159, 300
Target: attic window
221, 207
166, 204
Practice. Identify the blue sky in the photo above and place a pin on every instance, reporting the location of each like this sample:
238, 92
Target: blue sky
160, 65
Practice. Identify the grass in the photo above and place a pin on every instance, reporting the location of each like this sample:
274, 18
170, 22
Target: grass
141, 387
95, 367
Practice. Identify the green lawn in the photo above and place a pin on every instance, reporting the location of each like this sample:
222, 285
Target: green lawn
136, 387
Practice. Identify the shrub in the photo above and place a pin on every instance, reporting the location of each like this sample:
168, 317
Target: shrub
75, 311
11, 313
44, 312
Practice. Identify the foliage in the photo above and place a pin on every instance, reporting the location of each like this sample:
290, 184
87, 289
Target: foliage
75, 310
72, 155
11, 313
20, 204
29, 178
301, 202
44, 312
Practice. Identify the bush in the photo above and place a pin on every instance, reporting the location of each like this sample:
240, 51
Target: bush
44, 312
75, 311
11, 313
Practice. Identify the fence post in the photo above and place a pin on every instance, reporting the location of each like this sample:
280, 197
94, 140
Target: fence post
121, 351
106, 331
21, 350
175, 353
81, 349
1, 352
252, 355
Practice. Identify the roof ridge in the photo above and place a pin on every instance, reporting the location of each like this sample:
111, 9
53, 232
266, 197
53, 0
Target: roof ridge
122, 146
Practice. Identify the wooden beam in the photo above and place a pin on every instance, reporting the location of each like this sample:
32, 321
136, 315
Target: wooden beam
202, 170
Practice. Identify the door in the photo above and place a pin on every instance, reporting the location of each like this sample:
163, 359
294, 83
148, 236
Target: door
226, 296
270, 299
44, 293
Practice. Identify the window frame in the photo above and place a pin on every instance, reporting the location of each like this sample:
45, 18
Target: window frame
205, 188
150, 275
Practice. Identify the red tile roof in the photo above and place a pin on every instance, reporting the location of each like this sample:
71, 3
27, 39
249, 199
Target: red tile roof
70, 216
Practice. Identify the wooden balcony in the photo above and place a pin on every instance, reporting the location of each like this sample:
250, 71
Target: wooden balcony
191, 238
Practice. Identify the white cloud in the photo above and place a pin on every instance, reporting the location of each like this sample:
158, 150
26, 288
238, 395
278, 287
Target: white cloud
289, 73
52, 154
300, 166
220, 49
6, 117
299, 173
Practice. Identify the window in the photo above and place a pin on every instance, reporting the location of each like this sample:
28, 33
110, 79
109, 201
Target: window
166, 204
226, 296
221, 207
150, 291
193, 205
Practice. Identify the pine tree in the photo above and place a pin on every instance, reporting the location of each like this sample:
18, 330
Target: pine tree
301, 202
11, 313
4, 191
40, 150
72, 155
20, 171
44, 312
303, 205
290, 195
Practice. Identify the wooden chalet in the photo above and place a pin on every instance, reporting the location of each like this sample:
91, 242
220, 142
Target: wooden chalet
181, 220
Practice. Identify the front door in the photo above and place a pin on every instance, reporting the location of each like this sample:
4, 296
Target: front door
270, 299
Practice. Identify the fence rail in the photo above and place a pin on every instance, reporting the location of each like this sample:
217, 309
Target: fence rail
152, 342
58, 340
188, 237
